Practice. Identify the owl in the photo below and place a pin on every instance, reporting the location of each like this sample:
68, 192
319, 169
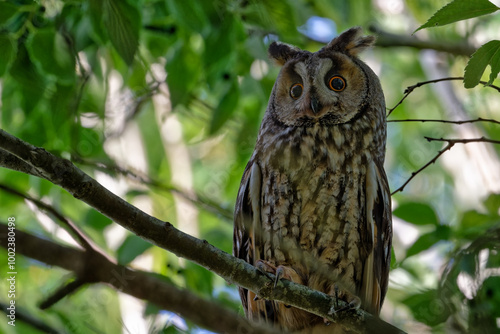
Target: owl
314, 204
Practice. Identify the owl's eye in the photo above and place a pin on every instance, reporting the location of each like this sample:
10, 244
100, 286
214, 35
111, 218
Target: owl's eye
296, 91
336, 83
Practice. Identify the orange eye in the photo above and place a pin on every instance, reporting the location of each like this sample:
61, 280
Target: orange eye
336, 83
296, 91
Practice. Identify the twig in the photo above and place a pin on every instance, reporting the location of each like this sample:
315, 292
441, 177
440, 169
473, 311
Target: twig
63, 173
200, 201
464, 141
410, 89
451, 143
62, 292
73, 230
445, 121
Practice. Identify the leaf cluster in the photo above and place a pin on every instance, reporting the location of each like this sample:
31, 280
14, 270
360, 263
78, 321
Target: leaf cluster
487, 54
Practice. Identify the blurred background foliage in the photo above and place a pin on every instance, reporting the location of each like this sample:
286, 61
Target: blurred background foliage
161, 102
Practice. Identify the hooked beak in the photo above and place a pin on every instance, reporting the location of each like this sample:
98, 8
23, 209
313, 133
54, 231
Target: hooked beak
315, 105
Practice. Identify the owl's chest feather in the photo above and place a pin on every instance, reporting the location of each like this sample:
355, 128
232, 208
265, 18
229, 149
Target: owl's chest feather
313, 197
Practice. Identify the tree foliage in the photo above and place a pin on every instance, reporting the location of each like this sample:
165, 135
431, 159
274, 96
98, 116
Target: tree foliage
161, 101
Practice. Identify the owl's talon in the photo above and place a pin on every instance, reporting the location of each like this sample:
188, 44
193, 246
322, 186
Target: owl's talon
279, 274
266, 268
336, 288
354, 304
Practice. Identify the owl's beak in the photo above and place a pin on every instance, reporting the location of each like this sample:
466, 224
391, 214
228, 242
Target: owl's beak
315, 105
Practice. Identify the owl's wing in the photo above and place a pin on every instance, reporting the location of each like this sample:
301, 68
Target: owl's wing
246, 240
379, 227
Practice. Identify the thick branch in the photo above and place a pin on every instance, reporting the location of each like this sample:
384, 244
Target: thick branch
387, 39
10, 161
135, 283
63, 173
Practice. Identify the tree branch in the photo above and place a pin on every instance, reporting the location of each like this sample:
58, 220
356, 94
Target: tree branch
63, 173
387, 39
410, 89
136, 283
451, 143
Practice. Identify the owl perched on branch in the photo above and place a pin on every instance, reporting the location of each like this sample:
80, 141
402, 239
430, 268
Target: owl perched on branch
314, 205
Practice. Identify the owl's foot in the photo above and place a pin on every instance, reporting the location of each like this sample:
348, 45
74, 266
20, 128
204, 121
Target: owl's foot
353, 301
280, 272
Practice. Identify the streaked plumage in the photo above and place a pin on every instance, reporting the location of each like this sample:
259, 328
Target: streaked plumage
314, 201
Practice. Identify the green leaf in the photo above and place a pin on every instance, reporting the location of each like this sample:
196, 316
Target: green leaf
474, 224
488, 54
97, 220
188, 13
225, 109
458, 10
183, 71
8, 53
31, 84
132, 247
428, 307
425, 242
492, 204
394, 264
7, 12
50, 52
122, 21
417, 213
198, 279
487, 302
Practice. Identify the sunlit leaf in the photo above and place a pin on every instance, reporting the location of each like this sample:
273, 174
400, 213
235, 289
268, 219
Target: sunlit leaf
488, 54
458, 10
417, 213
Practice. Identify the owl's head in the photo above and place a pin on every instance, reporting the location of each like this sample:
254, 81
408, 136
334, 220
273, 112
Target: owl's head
331, 86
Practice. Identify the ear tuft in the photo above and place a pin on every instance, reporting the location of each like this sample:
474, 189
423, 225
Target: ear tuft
280, 53
351, 42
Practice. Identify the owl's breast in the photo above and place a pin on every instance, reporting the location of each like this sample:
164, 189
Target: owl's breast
310, 214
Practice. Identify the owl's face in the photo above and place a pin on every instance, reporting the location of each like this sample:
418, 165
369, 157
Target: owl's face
329, 87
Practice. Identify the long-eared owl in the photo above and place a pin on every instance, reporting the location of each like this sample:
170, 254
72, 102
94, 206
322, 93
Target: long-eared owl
314, 204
